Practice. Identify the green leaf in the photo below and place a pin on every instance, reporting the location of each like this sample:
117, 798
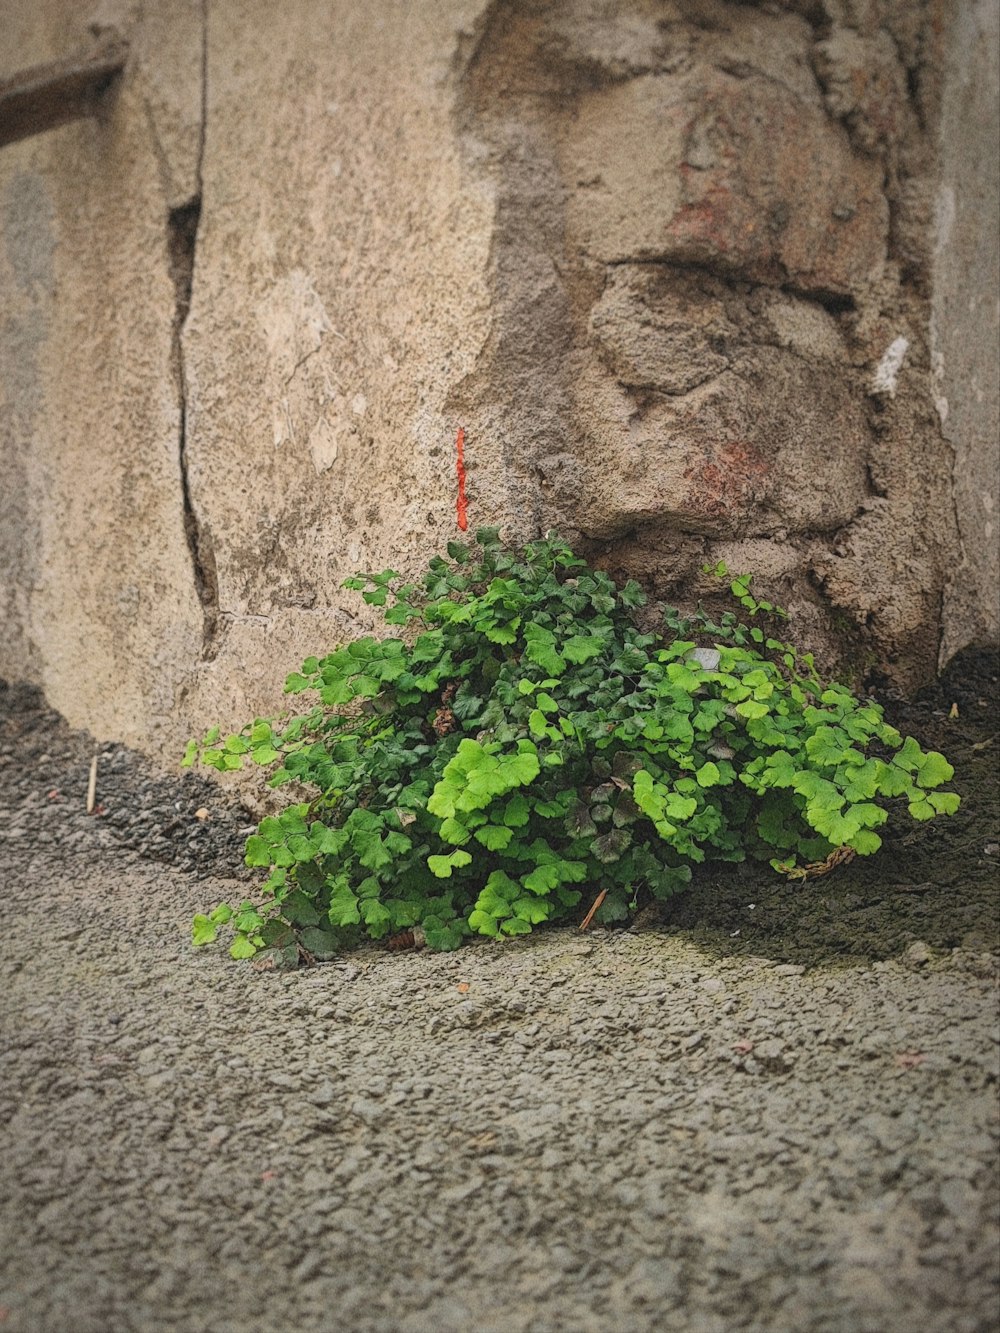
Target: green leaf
446, 937
203, 931
258, 852
891, 780
540, 648
376, 917
534, 910
247, 919
752, 710
517, 811
442, 866
910, 756
933, 770
375, 855
861, 781
494, 837
543, 879
819, 792
299, 909
708, 775
670, 880
612, 845
515, 925
676, 806
496, 898
322, 944
241, 947
520, 769
945, 802
578, 821
265, 754
922, 809
343, 909
452, 830
827, 745
483, 923
580, 648
865, 843
331, 841
781, 769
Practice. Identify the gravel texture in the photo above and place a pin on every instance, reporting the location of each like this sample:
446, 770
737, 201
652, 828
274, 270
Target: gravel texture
632, 1130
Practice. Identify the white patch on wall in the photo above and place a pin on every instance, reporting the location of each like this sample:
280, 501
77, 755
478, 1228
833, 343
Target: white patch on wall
323, 446
944, 216
887, 371
294, 322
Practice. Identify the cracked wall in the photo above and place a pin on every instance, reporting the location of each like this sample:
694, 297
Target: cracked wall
672, 263
96, 591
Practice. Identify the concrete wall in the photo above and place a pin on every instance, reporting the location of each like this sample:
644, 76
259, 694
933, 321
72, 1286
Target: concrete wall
672, 265
966, 315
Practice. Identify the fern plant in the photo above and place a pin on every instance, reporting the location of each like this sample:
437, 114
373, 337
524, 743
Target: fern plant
517, 740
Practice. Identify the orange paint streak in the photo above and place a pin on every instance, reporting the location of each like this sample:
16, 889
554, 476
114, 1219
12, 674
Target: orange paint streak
461, 504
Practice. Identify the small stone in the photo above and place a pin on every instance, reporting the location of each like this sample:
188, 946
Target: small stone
918, 954
369, 1112
707, 658
788, 970
772, 1056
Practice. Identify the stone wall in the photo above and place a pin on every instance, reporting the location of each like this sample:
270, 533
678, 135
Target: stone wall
672, 263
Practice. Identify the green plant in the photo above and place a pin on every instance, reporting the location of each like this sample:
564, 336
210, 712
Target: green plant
522, 740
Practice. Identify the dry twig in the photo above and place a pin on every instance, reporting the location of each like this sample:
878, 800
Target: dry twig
594, 906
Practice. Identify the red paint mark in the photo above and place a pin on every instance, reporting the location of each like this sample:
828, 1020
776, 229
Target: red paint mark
461, 503
728, 479
910, 1059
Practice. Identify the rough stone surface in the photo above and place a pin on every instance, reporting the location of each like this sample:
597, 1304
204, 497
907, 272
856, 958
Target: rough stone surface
672, 263
618, 1131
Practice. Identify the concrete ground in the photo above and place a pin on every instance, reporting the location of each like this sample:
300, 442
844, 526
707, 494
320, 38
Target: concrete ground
623, 1132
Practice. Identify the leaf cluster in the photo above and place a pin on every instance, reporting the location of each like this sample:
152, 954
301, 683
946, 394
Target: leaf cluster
518, 739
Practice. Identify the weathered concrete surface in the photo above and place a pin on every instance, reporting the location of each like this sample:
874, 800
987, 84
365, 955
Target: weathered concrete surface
671, 264
966, 316
97, 596
343, 255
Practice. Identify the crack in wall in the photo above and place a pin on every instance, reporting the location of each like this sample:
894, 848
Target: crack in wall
182, 240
